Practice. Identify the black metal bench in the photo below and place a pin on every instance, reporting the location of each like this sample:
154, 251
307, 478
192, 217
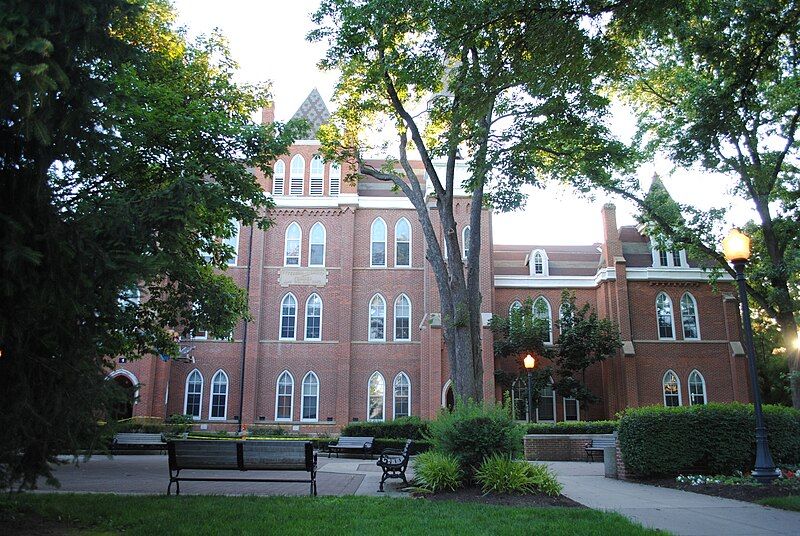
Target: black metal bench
251, 455
394, 463
138, 439
352, 444
597, 445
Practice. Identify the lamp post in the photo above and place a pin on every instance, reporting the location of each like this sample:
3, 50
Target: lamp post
530, 362
736, 247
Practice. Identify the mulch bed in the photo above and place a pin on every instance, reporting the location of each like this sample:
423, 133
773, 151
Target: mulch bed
474, 494
728, 491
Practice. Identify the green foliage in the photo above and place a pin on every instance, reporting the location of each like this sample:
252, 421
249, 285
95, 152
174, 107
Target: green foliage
473, 431
266, 431
403, 428
574, 427
520, 333
713, 438
435, 471
772, 362
502, 474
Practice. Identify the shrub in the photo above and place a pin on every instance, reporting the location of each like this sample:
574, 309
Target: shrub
266, 431
502, 474
435, 471
474, 431
711, 439
402, 428
544, 479
574, 427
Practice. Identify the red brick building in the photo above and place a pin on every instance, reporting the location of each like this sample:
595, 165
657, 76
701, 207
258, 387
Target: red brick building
345, 314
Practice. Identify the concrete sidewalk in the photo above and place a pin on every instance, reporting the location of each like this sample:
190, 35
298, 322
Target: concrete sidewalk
675, 511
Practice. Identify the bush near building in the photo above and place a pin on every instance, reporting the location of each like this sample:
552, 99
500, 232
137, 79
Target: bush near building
403, 428
574, 427
709, 439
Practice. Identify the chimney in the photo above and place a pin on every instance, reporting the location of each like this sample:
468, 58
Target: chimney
612, 246
268, 114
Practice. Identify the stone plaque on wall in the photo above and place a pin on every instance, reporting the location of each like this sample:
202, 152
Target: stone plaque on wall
317, 277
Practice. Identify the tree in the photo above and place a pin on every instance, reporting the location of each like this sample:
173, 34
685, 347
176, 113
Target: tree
773, 367
474, 79
715, 85
124, 151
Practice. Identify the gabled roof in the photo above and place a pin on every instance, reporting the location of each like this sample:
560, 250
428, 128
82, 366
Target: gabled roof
562, 260
314, 111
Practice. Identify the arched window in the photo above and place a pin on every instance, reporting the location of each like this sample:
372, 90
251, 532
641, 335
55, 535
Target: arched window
546, 411
539, 264
516, 304
288, 317
697, 388
666, 327
316, 179
402, 396
310, 408
316, 245
691, 324
284, 397
219, 396
541, 310
278, 178
377, 318
194, 394
402, 243
291, 249
335, 177
376, 397
297, 170
233, 242
465, 235
378, 243
314, 318
672, 389
402, 318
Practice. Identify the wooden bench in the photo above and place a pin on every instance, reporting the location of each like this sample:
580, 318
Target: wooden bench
352, 444
597, 445
250, 455
137, 439
394, 463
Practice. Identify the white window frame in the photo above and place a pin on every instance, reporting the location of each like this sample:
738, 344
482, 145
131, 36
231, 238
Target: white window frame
303, 396
279, 169
549, 316
671, 316
396, 302
396, 241
211, 397
280, 318
516, 304
233, 241
465, 241
291, 397
186, 395
702, 382
305, 324
577, 405
394, 395
293, 225
316, 180
545, 263
311, 243
334, 177
664, 384
383, 410
696, 316
372, 241
369, 318
656, 254
294, 177
539, 396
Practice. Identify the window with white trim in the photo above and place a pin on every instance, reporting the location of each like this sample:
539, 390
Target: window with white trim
297, 171
691, 325
278, 177
672, 389
546, 411
288, 317
516, 304
310, 396
402, 243
292, 241
284, 397
697, 389
334, 179
233, 242
465, 235
572, 410
666, 327
539, 265
377, 248
316, 245
194, 394
376, 397
314, 318
377, 318
402, 396
219, 396
317, 176
665, 256
541, 310
402, 318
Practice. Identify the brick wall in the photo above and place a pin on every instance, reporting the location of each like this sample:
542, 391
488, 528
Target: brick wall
558, 447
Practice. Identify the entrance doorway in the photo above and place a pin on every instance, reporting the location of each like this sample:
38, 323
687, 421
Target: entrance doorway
448, 398
124, 408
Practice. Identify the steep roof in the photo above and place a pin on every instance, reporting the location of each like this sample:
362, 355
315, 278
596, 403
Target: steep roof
314, 111
562, 260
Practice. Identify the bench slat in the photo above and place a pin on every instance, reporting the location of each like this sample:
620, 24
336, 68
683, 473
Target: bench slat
274, 455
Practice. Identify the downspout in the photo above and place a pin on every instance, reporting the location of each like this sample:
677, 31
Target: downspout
244, 335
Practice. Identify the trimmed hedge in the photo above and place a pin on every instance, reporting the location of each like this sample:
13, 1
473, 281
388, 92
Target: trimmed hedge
420, 445
710, 439
574, 427
403, 428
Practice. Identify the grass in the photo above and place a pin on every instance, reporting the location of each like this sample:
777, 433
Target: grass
193, 515
791, 502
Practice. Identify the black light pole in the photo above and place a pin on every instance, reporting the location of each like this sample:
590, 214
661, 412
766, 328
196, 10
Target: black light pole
530, 362
736, 247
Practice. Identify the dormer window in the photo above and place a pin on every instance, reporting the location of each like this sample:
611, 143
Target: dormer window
538, 264
666, 257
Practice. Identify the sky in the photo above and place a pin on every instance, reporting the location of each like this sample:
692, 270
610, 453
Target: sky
267, 39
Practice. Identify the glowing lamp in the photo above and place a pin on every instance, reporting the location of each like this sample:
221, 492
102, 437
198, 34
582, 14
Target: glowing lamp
736, 246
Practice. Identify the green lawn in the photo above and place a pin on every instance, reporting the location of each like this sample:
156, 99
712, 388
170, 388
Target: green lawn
792, 502
193, 515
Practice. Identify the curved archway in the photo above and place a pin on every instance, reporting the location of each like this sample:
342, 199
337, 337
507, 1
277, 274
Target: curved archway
448, 396
127, 381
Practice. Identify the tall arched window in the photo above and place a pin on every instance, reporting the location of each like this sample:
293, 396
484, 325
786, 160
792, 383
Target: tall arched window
334, 178
402, 318
691, 324
219, 396
297, 170
546, 411
194, 394
465, 235
316, 245
697, 388
314, 318
310, 395
402, 243
378, 243
402, 396
288, 317
541, 310
278, 178
539, 264
516, 304
666, 327
316, 178
376, 397
233, 242
377, 318
672, 389
291, 249
284, 397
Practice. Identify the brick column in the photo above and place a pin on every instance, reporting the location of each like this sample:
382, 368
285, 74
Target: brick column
251, 385
345, 312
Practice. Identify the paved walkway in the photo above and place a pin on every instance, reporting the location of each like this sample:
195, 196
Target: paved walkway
675, 511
